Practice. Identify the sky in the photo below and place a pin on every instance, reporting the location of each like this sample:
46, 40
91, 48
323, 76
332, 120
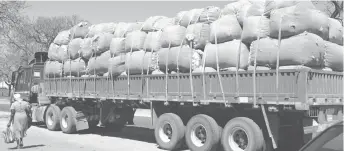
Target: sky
114, 11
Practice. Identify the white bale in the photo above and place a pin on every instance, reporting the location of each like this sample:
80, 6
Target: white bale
74, 48
117, 65
62, 38
148, 25
87, 49
53, 69
305, 49
226, 29
257, 8
173, 35
163, 23
135, 40
298, 19
227, 55
200, 33
133, 27
106, 74
99, 65
117, 46
241, 16
179, 57
251, 68
58, 53
238, 8
152, 42
234, 8
139, 62
210, 14
52, 52
123, 28
74, 68
102, 42
335, 31
63, 53
206, 69
185, 18
157, 72
80, 30
255, 26
334, 55
232, 69
271, 5
101, 28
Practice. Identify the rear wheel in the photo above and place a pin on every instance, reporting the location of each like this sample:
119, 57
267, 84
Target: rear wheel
169, 131
202, 133
67, 120
52, 118
242, 134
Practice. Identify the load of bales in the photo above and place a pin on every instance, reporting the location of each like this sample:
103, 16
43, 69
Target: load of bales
241, 34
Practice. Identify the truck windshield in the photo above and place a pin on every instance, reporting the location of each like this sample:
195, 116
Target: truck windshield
330, 140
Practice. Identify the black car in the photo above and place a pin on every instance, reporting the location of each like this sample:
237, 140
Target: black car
330, 139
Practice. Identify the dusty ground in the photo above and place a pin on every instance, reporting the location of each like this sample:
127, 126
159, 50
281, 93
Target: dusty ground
41, 139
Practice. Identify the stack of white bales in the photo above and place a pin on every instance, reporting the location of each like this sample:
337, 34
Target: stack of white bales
131, 54
186, 40
75, 65
175, 54
222, 51
57, 54
305, 38
309, 38
101, 42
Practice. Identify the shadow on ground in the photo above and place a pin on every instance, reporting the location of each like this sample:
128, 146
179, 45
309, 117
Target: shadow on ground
128, 132
27, 147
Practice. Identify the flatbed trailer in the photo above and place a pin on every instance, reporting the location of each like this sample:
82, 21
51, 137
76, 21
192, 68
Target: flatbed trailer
243, 110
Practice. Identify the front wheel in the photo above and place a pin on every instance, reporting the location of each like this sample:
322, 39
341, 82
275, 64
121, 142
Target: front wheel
52, 118
242, 134
67, 120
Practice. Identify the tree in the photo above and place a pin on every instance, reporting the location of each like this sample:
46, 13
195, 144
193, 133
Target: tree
21, 37
45, 29
10, 12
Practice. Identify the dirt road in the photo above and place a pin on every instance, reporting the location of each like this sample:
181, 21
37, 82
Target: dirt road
40, 139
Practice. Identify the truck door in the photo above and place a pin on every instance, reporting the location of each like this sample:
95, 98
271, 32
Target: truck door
23, 83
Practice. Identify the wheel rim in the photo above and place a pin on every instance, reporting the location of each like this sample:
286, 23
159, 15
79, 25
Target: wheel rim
165, 132
50, 119
238, 139
198, 135
64, 121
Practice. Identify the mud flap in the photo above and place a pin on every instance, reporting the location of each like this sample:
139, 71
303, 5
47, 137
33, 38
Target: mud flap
38, 113
81, 121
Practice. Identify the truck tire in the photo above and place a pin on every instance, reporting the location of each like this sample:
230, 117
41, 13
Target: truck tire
202, 133
242, 133
169, 131
52, 118
67, 120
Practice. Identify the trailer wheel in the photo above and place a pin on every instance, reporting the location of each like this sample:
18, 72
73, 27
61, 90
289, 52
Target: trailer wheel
169, 131
52, 118
67, 120
202, 133
241, 134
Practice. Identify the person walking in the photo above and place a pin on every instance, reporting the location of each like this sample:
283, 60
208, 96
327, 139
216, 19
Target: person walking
20, 116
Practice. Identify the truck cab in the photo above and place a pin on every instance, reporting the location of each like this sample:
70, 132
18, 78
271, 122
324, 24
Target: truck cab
28, 82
